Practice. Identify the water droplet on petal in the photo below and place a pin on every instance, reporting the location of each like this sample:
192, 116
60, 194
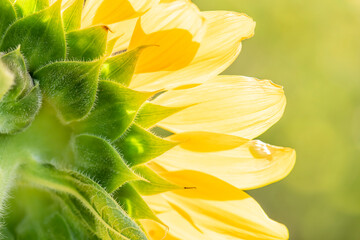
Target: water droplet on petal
260, 149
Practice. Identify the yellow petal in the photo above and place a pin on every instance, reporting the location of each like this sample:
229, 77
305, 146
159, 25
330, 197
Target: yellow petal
200, 185
219, 47
207, 141
110, 11
249, 165
242, 106
214, 220
176, 28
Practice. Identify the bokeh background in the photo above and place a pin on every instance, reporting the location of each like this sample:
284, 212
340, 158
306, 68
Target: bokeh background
312, 48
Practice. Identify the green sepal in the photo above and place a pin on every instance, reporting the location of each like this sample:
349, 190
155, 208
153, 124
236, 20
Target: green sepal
133, 204
110, 46
40, 35
115, 110
153, 183
7, 16
139, 146
23, 82
6, 80
150, 114
15, 116
121, 67
95, 205
98, 159
27, 7
72, 16
87, 44
70, 87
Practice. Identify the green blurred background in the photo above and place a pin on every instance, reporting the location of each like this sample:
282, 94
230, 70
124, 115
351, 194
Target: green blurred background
312, 48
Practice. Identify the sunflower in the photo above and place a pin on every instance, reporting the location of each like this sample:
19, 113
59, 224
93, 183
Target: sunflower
115, 123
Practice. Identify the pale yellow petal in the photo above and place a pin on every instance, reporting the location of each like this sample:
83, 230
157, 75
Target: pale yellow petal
220, 46
238, 219
245, 165
175, 28
214, 220
156, 231
110, 11
242, 106
179, 228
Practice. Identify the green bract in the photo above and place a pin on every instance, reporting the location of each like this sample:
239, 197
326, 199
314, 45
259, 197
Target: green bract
73, 136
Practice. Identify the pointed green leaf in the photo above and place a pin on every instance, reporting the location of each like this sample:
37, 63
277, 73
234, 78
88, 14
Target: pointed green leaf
87, 44
6, 80
72, 16
139, 146
15, 116
121, 67
154, 184
98, 159
79, 214
70, 87
40, 35
115, 110
150, 114
133, 204
7, 16
41, 216
95, 205
23, 82
27, 7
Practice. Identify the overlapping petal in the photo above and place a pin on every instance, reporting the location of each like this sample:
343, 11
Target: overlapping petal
199, 218
219, 47
109, 11
175, 29
123, 31
246, 164
242, 106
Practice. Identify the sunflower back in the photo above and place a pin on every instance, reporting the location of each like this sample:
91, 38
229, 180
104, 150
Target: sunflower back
73, 136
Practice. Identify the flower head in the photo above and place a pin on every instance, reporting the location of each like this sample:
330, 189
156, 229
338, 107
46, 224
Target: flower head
115, 123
